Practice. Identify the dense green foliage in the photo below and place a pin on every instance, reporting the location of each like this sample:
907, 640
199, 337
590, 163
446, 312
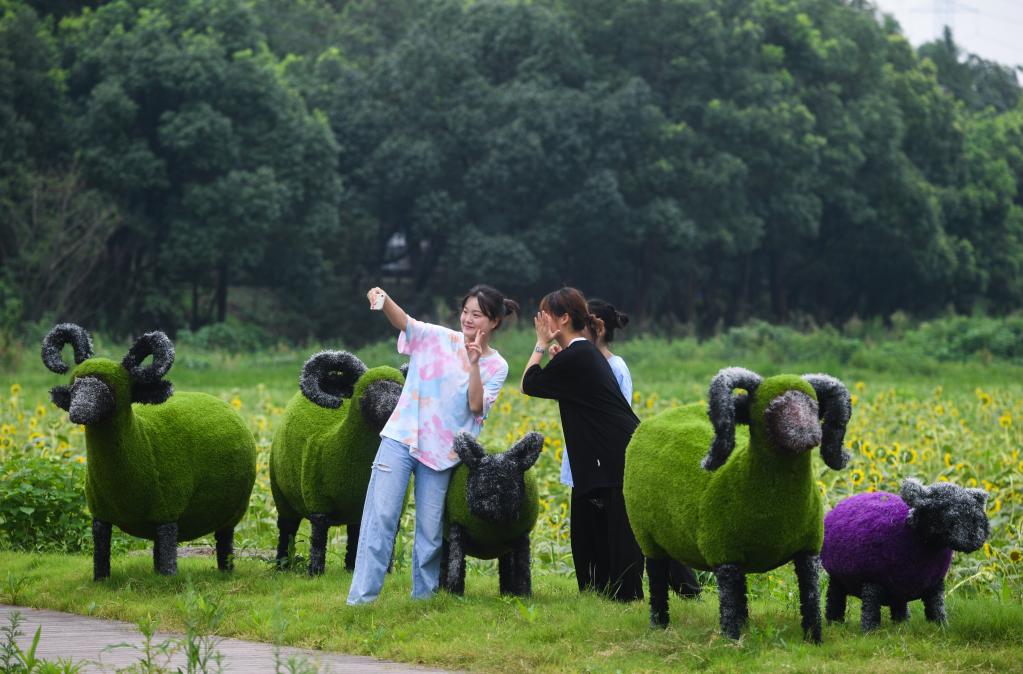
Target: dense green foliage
697, 161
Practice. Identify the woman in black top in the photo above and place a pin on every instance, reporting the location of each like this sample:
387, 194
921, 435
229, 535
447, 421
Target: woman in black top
598, 423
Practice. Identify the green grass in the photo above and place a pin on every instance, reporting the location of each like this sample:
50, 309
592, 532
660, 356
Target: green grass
557, 629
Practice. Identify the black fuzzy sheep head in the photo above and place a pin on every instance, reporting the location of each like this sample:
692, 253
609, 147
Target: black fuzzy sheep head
495, 489
100, 386
789, 414
947, 515
329, 377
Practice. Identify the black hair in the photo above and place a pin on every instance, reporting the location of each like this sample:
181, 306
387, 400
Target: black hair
493, 304
572, 302
612, 318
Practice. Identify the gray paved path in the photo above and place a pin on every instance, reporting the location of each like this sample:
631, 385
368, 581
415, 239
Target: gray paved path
82, 638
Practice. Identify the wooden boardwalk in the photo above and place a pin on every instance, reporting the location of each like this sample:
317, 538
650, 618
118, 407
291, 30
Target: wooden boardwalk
82, 638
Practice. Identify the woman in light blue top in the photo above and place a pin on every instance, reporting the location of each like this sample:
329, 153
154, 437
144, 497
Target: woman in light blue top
610, 319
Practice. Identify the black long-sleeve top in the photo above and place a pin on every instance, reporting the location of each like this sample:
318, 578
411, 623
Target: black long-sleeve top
597, 421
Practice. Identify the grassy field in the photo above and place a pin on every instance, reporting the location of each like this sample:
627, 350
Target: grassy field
913, 416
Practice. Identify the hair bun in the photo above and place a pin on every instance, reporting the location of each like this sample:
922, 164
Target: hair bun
622, 319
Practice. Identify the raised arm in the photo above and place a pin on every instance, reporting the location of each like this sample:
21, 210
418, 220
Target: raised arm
395, 314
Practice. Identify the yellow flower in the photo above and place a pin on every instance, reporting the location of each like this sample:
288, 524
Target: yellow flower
996, 506
912, 456
1015, 556
636, 397
236, 403
854, 399
948, 459
1005, 420
80, 459
939, 410
857, 477
859, 386
15, 389
987, 550
40, 411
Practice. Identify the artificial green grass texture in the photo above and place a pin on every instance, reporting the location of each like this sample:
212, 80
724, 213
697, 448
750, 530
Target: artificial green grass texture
189, 460
322, 458
489, 540
756, 510
555, 630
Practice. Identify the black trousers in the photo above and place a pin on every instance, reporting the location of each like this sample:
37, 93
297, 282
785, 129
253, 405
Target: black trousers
606, 556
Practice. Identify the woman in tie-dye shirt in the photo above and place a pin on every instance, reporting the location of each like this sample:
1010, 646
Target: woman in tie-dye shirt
453, 379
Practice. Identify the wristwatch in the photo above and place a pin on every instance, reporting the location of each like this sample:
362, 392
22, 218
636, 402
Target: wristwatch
539, 349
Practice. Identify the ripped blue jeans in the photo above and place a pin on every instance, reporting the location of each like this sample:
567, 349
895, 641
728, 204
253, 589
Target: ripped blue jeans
392, 469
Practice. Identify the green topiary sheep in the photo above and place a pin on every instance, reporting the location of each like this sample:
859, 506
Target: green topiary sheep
322, 452
491, 507
174, 467
744, 511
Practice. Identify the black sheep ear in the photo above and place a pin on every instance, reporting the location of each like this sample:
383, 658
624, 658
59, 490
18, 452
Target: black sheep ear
526, 451
978, 495
61, 397
468, 450
913, 492
151, 393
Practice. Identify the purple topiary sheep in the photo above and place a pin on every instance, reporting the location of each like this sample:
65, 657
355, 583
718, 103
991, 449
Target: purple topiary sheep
890, 549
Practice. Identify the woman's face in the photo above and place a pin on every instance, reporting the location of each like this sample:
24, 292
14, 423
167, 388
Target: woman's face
473, 319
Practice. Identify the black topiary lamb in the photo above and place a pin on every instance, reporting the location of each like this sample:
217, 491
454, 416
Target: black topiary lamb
492, 505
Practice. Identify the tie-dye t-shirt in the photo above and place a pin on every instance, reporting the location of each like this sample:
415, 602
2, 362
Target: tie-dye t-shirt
434, 403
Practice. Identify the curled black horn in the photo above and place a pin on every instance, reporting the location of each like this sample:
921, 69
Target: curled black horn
61, 334
156, 344
329, 377
835, 410
724, 410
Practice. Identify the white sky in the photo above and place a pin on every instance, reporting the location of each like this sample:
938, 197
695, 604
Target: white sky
992, 29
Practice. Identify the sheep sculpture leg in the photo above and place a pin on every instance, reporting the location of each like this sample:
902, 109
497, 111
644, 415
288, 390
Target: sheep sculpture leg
513, 569
900, 611
352, 546
165, 549
834, 605
807, 572
318, 543
870, 609
657, 570
101, 549
934, 603
734, 611
287, 527
454, 576
225, 548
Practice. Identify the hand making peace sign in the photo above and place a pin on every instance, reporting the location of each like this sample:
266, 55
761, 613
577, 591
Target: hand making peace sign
475, 348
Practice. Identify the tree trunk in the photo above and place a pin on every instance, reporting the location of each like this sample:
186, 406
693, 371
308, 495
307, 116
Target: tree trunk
222, 291
194, 325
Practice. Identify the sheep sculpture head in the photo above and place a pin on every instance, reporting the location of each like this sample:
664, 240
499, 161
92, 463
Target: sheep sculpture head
330, 377
784, 414
100, 386
946, 515
496, 487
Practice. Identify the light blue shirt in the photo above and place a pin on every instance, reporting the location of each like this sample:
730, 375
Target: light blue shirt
624, 378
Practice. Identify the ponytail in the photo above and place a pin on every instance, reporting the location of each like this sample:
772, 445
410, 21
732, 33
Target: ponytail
612, 318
